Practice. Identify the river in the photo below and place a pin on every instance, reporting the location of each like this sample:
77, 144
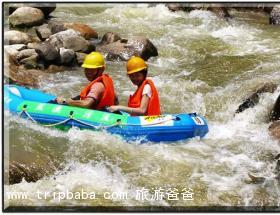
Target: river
205, 65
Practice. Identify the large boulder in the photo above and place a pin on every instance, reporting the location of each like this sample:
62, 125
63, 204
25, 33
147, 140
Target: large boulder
125, 49
16, 37
110, 37
43, 32
275, 114
46, 8
26, 16
253, 99
274, 17
85, 31
48, 53
70, 39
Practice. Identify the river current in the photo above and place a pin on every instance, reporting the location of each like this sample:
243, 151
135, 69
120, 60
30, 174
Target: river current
206, 65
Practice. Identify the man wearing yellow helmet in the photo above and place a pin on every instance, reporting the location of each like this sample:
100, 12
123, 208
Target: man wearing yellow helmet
99, 93
145, 100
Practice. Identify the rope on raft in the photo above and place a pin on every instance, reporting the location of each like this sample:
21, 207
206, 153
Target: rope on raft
66, 120
118, 123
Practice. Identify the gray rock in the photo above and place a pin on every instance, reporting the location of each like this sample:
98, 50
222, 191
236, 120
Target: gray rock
124, 49
80, 57
43, 32
274, 17
253, 99
67, 56
56, 25
275, 114
16, 37
48, 53
69, 39
46, 8
26, 16
110, 37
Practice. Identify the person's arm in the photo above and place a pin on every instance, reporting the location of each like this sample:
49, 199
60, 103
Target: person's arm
137, 111
86, 103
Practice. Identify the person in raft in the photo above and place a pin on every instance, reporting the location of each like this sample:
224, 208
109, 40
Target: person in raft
99, 93
145, 100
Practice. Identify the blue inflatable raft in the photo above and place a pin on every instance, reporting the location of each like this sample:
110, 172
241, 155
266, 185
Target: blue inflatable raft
36, 106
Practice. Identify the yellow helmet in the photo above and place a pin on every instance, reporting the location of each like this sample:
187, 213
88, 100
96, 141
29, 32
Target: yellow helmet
135, 64
93, 60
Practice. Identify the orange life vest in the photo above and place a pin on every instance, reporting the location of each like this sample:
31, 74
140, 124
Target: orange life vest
108, 97
153, 106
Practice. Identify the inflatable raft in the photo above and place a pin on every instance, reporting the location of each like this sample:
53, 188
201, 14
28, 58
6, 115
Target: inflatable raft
36, 106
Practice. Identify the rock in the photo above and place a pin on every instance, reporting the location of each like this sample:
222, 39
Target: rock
256, 179
252, 8
20, 75
124, 49
67, 56
48, 53
30, 62
33, 45
46, 8
54, 69
16, 37
80, 57
253, 99
69, 39
26, 53
17, 47
85, 31
23, 164
56, 25
275, 114
13, 50
110, 37
26, 16
179, 7
220, 11
28, 58
274, 17
43, 32
274, 129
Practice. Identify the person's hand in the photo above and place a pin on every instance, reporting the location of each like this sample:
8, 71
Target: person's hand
113, 108
60, 100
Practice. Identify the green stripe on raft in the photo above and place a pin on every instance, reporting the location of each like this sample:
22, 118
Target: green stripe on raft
100, 117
